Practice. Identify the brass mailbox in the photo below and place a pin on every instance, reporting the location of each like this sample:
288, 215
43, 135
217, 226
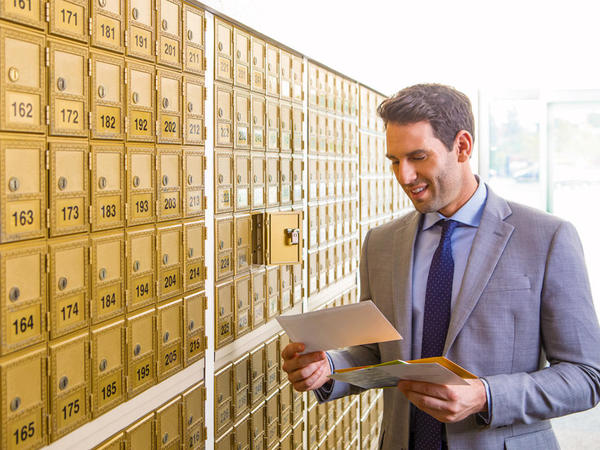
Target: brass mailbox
141, 351
108, 17
277, 238
194, 26
140, 29
169, 30
140, 102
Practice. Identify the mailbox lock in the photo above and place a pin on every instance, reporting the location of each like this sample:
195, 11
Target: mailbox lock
136, 181
190, 35
14, 294
270, 290
239, 117
136, 266
13, 184
165, 102
61, 84
220, 112
63, 383
270, 178
190, 179
62, 283
220, 46
15, 403
222, 311
255, 178
135, 13
135, 97
165, 438
239, 179
256, 296
102, 182
221, 244
164, 24
190, 420
293, 235
101, 91
295, 177
254, 120
191, 325
239, 54
103, 365
220, 178
190, 106
102, 274
166, 337
62, 183
137, 349
283, 178
191, 252
270, 122
269, 67
165, 180
282, 124
165, 258
13, 74
102, 3
239, 241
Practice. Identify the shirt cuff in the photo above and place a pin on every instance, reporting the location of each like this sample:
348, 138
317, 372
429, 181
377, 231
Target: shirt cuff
486, 417
324, 392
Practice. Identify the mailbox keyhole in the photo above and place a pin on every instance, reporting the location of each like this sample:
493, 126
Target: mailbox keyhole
103, 365
136, 181
62, 183
190, 106
102, 182
62, 283
165, 102
15, 403
220, 46
136, 266
135, 97
137, 349
191, 252
101, 91
14, 294
14, 184
165, 180
164, 24
61, 84
190, 35
165, 438
165, 258
191, 325
166, 337
63, 383
135, 13
13, 74
190, 179
102, 3
102, 274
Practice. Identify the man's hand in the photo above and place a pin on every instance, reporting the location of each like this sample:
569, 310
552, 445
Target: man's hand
447, 404
305, 372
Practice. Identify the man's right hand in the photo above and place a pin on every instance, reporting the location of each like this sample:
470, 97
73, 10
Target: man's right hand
305, 372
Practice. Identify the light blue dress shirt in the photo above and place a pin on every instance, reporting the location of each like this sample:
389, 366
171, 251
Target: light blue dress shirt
426, 242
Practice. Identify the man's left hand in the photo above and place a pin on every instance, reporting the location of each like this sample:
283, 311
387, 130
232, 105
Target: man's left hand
447, 404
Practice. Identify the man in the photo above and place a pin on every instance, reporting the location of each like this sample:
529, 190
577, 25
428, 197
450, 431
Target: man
495, 286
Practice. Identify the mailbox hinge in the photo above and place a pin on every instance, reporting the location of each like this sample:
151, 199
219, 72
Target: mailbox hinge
156, 82
90, 120
126, 132
90, 26
90, 213
125, 75
156, 46
126, 38
126, 212
48, 218
47, 263
47, 159
47, 56
89, 254
90, 161
48, 11
48, 321
89, 67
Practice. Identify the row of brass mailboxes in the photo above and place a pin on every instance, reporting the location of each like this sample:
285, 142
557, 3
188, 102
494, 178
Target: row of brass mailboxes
86, 373
380, 197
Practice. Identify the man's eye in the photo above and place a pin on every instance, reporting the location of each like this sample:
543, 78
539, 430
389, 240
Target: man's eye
418, 158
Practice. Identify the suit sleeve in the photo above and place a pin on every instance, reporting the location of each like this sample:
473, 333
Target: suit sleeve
571, 342
360, 355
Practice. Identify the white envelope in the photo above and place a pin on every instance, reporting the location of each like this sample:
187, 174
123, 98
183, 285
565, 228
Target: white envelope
344, 326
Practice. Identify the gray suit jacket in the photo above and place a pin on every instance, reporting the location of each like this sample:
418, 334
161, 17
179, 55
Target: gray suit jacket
525, 299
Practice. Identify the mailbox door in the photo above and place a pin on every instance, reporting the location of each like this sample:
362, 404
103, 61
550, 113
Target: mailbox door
243, 242
168, 26
242, 105
285, 181
223, 400
284, 237
258, 81
141, 351
69, 18
241, 383
169, 98
224, 182
272, 109
107, 97
297, 129
272, 59
169, 338
297, 181
194, 236
241, 59
194, 164
242, 306
169, 162
257, 376
272, 162
141, 184
272, 292
69, 384
258, 182
140, 29
26, 13
224, 238
195, 340
194, 29
259, 112
285, 127
108, 187
108, 366
223, 115
224, 314
141, 267
69, 296
169, 260
285, 63
168, 425
108, 17
68, 78
141, 90
242, 181
223, 51
22, 190
108, 276
194, 94
23, 90
193, 416
258, 298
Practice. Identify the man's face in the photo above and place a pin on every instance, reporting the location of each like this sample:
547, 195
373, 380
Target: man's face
429, 174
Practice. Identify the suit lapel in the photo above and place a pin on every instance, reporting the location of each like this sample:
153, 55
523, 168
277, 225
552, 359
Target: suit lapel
489, 243
403, 247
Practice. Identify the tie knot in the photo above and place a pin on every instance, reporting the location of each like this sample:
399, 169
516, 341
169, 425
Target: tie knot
448, 227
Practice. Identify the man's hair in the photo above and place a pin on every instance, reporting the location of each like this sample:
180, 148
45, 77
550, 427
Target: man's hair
447, 110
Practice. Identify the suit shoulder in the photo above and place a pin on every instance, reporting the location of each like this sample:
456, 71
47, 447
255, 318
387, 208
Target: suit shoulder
534, 219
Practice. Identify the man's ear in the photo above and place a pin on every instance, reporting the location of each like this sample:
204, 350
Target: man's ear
463, 143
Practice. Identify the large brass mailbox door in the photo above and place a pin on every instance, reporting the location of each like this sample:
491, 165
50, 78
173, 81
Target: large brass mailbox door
141, 177
259, 112
258, 65
140, 29
23, 297
141, 264
22, 189
69, 384
169, 169
108, 366
241, 59
194, 236
169, 98
193, 416
194, 26
108, 18
223, 51
141, 351
23, 399
223, 182
284, 237
168, 425
108, 187
195, 339
242, 309
107, 275
224, 314
141, 117
258, 297
68, 79
107, 97
194, 164
26, 13
169, 338
23, 89
68, 185
69, 18
69, 295
194, 95
169, 260
169, 29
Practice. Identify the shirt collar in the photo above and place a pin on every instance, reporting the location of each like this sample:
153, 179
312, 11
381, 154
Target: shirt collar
469, 214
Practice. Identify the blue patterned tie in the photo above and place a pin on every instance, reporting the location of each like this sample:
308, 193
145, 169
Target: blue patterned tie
438, 296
